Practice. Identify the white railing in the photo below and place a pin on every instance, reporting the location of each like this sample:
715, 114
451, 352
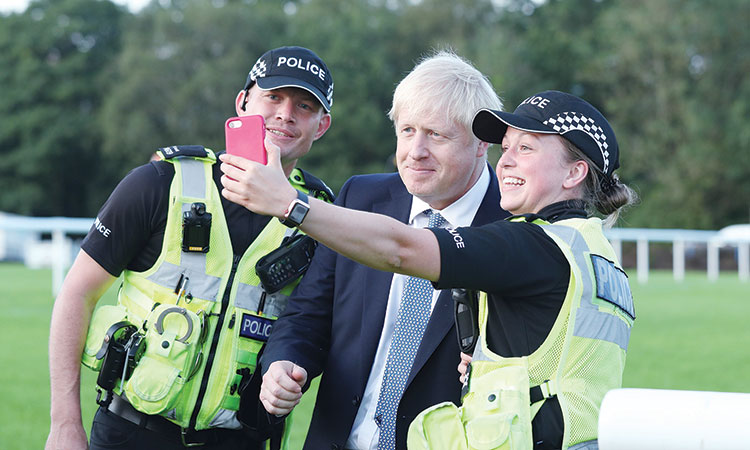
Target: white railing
60, 247
29, 229
713, 240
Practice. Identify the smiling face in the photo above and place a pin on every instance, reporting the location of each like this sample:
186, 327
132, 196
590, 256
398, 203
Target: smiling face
534, 172
294, 119
438, 160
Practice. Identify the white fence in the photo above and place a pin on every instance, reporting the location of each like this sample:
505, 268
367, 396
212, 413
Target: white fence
21, 238
713, 240
24, 236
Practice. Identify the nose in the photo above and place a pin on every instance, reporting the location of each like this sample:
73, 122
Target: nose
285, 110
506, 160
419, 146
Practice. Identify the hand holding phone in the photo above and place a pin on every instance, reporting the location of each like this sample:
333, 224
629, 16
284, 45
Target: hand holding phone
244, 137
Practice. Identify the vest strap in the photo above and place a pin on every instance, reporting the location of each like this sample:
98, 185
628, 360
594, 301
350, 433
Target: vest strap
542, 392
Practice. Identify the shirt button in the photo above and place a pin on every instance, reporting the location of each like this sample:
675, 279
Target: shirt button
356, 400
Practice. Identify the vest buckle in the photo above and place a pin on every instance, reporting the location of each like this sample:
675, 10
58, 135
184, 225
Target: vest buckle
186, 441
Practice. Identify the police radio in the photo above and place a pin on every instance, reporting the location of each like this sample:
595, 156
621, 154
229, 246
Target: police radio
121, 351
196, 228
286, 263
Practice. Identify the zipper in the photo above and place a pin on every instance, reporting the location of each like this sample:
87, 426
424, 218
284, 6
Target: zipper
214, 344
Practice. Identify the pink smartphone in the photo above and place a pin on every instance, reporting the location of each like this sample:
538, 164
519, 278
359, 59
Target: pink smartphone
244, 137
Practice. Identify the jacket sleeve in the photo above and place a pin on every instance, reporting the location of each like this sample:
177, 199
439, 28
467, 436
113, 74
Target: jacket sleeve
303, 332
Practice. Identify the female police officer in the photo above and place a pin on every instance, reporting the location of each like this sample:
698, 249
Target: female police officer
557, 309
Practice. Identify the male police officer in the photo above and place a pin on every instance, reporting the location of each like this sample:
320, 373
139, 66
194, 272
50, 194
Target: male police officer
190, 291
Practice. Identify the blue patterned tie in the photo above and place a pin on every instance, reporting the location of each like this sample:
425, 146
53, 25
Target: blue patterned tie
413, 315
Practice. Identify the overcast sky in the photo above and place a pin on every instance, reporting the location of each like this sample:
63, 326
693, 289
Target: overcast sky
8, 6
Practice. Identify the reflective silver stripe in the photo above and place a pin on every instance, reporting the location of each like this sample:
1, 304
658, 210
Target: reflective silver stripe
192, 264
248, 297
590, 322
193, 178
478, 354
225, 418
201, 285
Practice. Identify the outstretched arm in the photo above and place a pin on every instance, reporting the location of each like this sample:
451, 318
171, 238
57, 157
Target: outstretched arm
372, 239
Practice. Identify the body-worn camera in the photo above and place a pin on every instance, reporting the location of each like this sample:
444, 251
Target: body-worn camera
286, 263
196, 228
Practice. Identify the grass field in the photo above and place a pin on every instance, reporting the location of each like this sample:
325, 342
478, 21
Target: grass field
687, 336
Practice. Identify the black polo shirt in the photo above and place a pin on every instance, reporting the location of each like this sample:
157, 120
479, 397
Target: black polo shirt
525, 275
135, 216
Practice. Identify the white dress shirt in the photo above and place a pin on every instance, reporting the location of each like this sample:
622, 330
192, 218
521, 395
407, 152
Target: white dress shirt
365, 432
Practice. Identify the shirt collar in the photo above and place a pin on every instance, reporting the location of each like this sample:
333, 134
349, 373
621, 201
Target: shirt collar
566, 209
459, 213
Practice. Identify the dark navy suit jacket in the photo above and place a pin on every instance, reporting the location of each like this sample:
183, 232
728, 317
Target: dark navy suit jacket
334, 319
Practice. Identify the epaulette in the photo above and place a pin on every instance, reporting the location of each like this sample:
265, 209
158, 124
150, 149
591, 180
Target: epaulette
197, 151
315, 185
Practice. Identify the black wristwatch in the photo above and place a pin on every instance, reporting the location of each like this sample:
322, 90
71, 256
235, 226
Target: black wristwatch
296, 211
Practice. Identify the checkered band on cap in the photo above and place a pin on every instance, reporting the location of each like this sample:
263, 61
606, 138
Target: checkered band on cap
569, 121
329, 94
259, 69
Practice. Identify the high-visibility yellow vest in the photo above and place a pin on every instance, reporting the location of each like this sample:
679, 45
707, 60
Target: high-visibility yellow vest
581, 359
205, 315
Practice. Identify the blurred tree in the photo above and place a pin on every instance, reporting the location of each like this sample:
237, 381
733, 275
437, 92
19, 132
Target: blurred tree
181, 67
680, 98
54, 58
671, 76
371, 46
531, 46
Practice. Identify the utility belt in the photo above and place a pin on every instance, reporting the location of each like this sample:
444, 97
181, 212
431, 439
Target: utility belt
158, 424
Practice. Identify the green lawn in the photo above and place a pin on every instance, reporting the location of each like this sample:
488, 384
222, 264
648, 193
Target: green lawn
687, 336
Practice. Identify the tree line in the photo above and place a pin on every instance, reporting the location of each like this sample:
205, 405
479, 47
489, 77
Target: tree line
90, 90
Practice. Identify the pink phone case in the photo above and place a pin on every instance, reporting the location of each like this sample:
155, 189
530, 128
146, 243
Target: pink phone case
244, 137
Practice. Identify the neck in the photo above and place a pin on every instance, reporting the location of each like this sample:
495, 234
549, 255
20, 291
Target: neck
288, 167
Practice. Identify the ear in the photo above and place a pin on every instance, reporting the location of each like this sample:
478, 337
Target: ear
323, 125
482, 148
239, 102
576, 174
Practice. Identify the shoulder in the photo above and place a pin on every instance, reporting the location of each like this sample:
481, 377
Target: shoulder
375, 182
151, 176
315, 185
372, 188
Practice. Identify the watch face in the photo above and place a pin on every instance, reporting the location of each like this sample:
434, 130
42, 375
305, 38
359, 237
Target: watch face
298, 213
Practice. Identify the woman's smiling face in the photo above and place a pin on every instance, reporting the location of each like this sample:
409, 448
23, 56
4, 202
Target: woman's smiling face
532, 171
